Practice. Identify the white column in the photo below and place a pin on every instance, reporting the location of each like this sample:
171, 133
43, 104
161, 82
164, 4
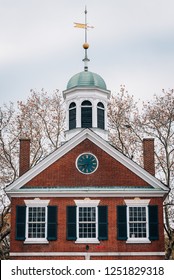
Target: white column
78, 113
67, 116
94, 113
106, 115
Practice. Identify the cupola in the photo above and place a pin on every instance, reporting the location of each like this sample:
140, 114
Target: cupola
86, 79
86, 98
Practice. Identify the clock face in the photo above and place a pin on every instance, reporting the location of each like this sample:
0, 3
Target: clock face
87, 163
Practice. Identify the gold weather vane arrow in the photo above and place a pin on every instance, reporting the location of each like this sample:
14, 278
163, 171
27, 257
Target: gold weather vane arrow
82, 25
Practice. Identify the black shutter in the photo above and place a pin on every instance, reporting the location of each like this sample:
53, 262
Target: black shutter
52, 223
153, 222
71, 223
20, 222
102, 222
121, 222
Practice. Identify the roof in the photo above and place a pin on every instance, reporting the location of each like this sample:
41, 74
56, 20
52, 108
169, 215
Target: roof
155, 186
86, 79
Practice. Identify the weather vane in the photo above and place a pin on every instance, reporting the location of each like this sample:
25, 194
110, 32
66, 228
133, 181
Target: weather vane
85, 45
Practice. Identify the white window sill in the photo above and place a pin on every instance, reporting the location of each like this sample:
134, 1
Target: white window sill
138, 240
87, 240
36, 241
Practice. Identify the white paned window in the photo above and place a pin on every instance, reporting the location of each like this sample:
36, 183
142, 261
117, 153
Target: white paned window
137, 221
87, 221
36, 221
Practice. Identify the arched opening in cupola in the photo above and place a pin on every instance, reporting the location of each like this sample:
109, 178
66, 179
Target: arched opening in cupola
86, 114
72, 115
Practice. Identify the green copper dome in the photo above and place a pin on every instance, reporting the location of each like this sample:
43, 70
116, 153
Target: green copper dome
86, 79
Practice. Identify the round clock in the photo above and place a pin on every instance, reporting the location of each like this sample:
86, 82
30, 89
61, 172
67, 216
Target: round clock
87, 163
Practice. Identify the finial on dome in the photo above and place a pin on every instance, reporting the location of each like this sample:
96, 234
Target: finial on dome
86, 45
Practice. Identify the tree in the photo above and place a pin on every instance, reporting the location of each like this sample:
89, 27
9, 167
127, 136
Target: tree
158, 121
124, 133
128, 127
4, 226
9, 137
41, 119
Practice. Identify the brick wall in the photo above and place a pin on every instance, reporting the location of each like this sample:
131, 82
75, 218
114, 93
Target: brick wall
109, 173
110, 245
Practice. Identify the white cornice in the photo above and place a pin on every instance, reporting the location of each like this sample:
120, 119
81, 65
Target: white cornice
89, 89
97, 140
84, 194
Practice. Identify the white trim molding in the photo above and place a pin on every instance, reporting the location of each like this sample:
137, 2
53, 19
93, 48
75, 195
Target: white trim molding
37, 202
86, 255
87, 202
137, 202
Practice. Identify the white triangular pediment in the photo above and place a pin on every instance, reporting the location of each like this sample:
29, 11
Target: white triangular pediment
72, 143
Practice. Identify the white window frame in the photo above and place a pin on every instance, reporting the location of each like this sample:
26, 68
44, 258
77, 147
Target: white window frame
36, 203
87, 203
137, 203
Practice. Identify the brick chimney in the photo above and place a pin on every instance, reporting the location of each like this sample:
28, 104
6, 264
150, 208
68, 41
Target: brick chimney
24, 156
148, 155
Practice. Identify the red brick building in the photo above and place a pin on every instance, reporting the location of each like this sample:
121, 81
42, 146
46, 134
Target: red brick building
87, 200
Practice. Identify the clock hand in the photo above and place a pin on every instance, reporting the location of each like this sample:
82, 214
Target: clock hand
82, 164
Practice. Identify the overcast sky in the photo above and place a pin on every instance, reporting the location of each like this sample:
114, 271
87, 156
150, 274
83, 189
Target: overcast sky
132, 44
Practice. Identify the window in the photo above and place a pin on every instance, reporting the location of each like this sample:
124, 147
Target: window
36, 227
137, 221
72, 115
86, 114
100, 115
87, 222
36, 222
